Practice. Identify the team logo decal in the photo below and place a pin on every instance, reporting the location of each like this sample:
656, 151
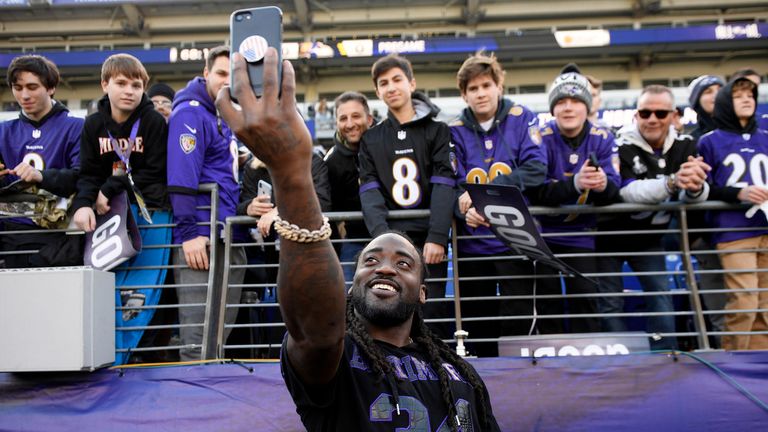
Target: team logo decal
488, 144
401, 135
36, 133
454, 162
194, 103
616, 162
187, 143
746, 136
574, 158
516, 110
662, 163
638, 167
535, 135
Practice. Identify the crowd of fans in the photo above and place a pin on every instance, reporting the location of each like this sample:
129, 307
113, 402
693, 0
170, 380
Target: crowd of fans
158, 145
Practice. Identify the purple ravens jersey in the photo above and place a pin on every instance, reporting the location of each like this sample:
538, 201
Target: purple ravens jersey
563, 162
53, 144
737, 160
481, 156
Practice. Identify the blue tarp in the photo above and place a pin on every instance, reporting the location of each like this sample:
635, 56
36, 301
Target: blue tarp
639, 392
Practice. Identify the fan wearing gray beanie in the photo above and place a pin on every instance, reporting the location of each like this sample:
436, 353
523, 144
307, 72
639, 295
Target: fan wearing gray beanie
701, 97
582, 169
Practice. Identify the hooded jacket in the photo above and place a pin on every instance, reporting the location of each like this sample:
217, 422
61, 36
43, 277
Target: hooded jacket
407, 166
644, 172
147, 155
344, 180
508, 153
704, 121
51, 145
737, 155
201, 149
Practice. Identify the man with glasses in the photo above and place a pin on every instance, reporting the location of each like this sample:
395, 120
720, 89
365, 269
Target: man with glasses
657, 165
162, 95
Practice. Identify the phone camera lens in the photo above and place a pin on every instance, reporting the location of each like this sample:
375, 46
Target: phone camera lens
239, 18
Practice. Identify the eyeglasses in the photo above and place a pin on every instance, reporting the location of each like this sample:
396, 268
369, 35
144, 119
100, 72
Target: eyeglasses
164, 103
660, 114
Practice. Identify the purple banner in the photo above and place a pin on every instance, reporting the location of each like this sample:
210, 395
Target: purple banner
690, 34
640, 392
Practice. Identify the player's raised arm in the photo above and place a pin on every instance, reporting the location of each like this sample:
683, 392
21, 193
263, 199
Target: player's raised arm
310, 281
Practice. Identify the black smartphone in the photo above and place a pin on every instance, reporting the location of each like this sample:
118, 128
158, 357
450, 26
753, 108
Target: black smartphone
593, 161
251, 32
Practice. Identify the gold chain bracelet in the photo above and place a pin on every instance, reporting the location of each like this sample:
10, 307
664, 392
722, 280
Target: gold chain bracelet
294, 233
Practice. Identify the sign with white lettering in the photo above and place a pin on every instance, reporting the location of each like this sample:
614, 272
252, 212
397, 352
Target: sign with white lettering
506, 210
574, 345
116, 238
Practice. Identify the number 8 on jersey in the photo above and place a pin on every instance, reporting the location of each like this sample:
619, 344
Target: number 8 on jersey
406, 191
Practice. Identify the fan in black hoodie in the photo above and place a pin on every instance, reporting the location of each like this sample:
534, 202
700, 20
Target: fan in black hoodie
100, 167
696, 89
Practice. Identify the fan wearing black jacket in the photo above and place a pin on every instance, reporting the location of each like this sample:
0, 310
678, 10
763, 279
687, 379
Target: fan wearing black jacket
405, 164
126, 117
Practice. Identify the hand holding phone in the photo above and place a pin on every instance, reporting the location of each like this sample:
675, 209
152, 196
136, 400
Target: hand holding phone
264, 188
252, 31
593, 161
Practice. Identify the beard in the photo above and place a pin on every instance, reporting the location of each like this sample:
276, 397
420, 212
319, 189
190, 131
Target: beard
382, 316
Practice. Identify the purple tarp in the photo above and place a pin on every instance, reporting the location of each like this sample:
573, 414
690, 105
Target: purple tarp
640, 392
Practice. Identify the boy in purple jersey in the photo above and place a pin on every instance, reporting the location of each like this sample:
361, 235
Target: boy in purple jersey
202, 149
573, 146
41, 147
405, 164
738, 153
496, 141
754, 76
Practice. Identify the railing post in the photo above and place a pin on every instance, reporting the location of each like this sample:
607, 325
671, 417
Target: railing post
699, 323
224, 290
212, 307
460, 334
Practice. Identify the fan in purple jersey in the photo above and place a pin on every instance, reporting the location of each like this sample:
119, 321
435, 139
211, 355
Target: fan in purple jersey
754, 76
496, 141
42, 148
582, 168
738, 153
357, 360
657, 165
202, 149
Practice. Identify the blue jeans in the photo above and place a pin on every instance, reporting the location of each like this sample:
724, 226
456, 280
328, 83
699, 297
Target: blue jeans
650, 283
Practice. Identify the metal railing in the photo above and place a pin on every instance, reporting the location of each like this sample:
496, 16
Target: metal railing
695, 318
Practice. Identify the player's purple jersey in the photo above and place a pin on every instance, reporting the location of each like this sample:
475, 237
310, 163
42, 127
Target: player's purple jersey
482, 156
53, 144
201, 149
563, 162
737, 160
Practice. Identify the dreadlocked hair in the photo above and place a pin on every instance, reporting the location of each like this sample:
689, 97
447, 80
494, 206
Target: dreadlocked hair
437, 351
440, 352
